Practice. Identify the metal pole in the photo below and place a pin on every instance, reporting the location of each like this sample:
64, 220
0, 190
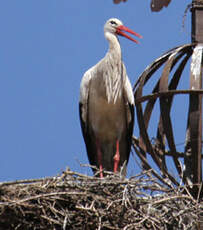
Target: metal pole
193, 149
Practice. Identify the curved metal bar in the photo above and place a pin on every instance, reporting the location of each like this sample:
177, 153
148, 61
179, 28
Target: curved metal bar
158, 62
165, 125
145, 143
176, 77
148, 167
160, 131
165, 109
193, 148
166, 94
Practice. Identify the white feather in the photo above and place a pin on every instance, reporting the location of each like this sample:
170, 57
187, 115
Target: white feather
128, 91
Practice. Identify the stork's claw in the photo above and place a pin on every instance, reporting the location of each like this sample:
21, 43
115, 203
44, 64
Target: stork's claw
116, 157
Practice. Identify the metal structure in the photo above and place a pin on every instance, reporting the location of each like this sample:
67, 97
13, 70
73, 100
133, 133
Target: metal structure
156, 5
163, 146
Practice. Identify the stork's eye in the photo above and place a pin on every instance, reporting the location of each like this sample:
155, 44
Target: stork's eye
113, 23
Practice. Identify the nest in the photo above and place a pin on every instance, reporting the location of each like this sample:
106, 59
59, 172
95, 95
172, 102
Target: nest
76, 201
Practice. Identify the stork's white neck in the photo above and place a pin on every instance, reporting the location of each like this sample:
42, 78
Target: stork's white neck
113, 76
114, 45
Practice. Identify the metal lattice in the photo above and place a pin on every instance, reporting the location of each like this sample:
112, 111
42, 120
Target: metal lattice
173, 63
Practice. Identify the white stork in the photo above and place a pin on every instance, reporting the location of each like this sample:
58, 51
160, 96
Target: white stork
107, 105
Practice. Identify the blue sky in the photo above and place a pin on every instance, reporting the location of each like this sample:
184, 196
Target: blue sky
45, 47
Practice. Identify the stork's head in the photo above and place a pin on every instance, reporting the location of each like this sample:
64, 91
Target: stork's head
115, 26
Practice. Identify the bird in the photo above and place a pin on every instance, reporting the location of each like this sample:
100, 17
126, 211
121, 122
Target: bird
106, 106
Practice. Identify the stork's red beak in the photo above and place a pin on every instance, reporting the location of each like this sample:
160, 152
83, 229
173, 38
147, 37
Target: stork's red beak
122, 28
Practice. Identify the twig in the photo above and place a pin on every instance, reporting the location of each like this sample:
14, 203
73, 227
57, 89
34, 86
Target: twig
172, 198
41, 196
26, 181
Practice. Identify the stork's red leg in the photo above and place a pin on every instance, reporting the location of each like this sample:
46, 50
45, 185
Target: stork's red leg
99, 156
116, 157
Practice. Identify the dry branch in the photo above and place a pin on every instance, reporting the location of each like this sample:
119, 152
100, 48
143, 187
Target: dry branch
76, 201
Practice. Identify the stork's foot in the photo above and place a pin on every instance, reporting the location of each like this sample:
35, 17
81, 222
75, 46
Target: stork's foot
101, 171
99, 156
116, 157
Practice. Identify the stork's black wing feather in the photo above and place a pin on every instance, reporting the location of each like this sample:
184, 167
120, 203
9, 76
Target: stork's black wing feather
130, 127
86, 135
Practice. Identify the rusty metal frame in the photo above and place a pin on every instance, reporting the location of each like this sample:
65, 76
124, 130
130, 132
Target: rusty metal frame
164, 91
